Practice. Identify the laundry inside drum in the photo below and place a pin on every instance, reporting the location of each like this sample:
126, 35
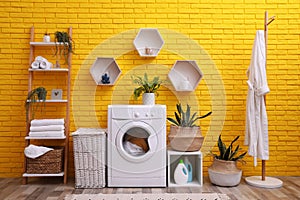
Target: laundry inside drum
135, 141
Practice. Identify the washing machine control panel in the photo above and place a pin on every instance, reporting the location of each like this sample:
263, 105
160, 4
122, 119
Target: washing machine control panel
141, 115
137, 112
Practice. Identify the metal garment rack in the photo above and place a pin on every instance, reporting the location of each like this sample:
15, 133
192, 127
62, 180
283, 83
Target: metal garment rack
263, 181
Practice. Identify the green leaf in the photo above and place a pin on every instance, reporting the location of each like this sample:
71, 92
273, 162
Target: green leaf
240, 156
234, 152
222, 147
227, 153
206, 115
188, 112
178, 118
173, 121
179, 109
192, 120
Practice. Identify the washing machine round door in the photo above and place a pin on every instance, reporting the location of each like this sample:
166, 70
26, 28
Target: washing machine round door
136, 141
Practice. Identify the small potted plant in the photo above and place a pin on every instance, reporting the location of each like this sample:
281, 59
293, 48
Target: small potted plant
147, 88
68, 45
36, 95
224, 170
184, 134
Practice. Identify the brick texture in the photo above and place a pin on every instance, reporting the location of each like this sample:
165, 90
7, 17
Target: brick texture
217, 34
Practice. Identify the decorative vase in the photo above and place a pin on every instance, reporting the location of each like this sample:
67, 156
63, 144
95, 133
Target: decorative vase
185, 138
224, 173
149, 99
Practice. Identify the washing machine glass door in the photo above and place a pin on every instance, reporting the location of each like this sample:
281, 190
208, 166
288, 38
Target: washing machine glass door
136, 141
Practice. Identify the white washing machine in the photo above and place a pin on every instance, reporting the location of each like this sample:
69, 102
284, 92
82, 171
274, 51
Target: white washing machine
136, 154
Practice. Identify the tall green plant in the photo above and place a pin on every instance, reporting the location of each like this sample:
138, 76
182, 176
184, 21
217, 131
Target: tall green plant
229, 153
145, 85
184, 118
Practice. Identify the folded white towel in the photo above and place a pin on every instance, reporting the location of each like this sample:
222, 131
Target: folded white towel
47, 128
33, 151
47, 134
46, 122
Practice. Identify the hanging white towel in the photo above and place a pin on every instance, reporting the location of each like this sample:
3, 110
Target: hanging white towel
33, 151
47, 128
256, 133
46, 122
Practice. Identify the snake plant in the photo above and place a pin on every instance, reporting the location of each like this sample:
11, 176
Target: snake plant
229, 153
184, 118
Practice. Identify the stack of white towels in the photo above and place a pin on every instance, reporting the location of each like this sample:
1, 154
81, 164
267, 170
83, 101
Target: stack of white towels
47, 128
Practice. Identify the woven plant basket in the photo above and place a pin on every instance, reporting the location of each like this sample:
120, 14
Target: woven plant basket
49, 163
224, 173
185, 138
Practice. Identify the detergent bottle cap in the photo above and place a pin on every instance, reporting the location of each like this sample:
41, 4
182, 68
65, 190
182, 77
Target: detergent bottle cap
180, 161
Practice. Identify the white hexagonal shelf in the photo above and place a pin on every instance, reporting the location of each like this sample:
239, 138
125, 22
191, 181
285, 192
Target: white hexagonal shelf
148, 42
104, 66
185, 75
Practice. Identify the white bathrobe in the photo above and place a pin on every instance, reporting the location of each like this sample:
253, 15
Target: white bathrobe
256, 134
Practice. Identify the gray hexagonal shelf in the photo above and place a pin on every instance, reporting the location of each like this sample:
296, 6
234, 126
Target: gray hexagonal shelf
148, 42
185, 75
104, 66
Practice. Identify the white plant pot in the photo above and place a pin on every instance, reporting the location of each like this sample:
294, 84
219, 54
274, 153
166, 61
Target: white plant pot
149, 99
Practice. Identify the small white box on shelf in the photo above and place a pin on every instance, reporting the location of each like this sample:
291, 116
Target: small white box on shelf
105, 71
185, 75
148, 42
195, 159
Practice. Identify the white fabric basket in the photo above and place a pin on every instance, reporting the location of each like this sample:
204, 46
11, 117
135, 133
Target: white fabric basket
89, 157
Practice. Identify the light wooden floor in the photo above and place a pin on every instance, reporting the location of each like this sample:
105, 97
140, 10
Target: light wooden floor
53, 189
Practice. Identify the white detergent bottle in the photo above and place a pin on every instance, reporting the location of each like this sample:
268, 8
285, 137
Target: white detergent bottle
189, 168
180, 174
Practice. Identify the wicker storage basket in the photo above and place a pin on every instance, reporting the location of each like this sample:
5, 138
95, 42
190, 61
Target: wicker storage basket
49, 163
89, 157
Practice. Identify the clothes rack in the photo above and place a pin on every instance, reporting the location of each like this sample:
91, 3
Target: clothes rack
263, 181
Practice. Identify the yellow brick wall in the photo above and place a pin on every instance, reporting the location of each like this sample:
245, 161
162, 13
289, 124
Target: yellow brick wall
224, 29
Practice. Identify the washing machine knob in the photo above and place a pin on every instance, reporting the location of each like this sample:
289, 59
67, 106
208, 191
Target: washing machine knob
136, 114
147, 114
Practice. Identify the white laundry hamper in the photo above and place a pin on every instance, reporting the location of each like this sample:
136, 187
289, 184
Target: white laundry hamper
89, 157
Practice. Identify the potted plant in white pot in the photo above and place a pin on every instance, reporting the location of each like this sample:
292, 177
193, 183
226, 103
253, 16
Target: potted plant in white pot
147, 88
224, 170
184, 134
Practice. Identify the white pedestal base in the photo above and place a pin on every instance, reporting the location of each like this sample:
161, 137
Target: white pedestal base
269, 182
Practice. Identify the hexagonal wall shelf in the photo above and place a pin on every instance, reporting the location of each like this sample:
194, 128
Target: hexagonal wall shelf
185, 75
105, 71
148, 42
